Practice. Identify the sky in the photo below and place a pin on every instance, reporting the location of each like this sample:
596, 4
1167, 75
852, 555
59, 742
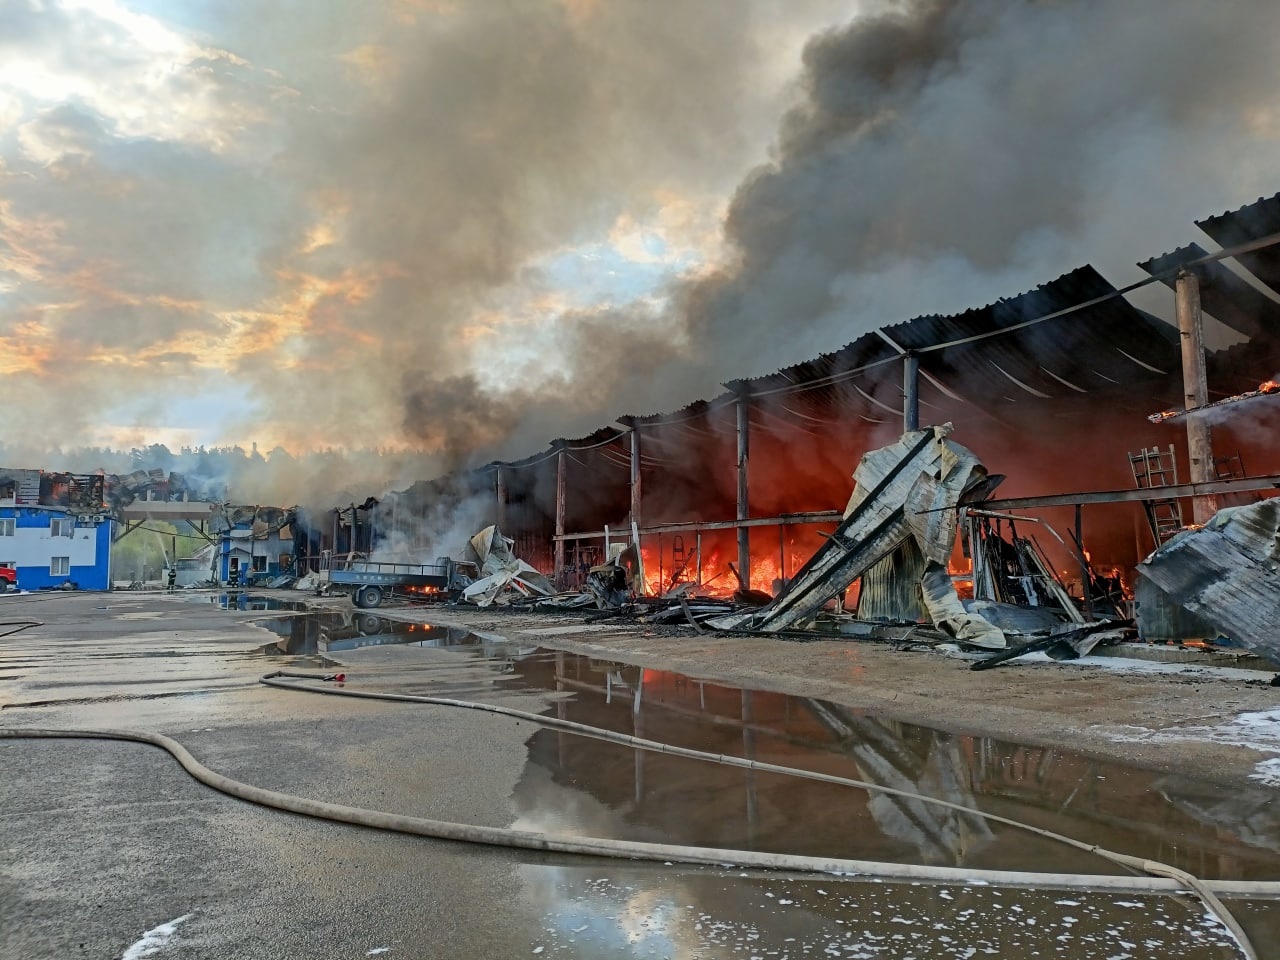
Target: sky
467, 227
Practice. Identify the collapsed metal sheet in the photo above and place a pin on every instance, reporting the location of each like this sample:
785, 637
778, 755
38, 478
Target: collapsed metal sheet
503, 574
948, 614
908, 491
1226, 573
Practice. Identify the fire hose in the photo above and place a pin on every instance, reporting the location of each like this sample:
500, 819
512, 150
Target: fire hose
1156, 878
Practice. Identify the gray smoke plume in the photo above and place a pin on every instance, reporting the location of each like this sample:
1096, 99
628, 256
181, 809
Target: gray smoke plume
942, 154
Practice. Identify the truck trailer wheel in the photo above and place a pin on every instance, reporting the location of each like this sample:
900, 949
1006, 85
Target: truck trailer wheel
368, 597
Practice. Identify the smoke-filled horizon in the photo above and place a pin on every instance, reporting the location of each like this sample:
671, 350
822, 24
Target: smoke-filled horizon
461, 230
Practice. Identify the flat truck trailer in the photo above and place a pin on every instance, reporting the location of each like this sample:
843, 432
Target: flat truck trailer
370, 582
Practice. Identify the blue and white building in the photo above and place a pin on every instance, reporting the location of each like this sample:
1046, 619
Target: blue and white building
266, 553
52, 547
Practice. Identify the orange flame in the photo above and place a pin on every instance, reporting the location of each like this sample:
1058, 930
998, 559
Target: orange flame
717, 579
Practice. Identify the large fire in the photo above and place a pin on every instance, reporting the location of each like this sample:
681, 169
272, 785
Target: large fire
662, 572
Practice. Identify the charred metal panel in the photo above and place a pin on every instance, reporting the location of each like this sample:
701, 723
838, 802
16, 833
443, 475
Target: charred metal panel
1162, 618
1228, 574
891, 588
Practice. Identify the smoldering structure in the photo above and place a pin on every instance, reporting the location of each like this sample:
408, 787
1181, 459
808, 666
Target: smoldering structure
730, 506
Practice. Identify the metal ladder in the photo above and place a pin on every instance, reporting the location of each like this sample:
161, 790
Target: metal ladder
1156, 467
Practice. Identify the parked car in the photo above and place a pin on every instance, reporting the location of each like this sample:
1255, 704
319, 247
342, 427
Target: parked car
8, 579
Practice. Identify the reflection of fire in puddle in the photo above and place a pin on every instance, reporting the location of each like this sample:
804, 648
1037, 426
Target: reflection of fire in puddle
578, 784
635, 794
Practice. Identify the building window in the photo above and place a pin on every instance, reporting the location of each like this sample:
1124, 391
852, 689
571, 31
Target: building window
60, 527
6, 527
60, 567
259, 564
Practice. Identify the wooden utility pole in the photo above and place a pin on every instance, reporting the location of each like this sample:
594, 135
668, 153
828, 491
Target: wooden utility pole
1195, 391
635, 476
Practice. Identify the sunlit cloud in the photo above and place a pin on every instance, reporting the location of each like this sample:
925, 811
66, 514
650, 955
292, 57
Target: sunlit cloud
141, 76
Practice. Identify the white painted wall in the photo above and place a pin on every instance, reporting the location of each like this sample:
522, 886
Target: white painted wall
34, 547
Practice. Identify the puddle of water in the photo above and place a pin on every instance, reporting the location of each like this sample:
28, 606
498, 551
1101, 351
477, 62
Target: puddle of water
573, 783
324, 633
620, 911
577, 784
235, 600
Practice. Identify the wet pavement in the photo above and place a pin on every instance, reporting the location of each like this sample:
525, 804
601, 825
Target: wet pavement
279, 874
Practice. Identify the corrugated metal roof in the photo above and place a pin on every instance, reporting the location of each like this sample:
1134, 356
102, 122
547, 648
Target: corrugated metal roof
1223, 294
1066, 362
1259, 219
1100, 347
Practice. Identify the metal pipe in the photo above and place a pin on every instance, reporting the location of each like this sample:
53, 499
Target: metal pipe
910, 392
1195, 390
1085, 590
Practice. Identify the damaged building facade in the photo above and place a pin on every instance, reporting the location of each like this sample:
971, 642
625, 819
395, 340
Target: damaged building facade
1058, 391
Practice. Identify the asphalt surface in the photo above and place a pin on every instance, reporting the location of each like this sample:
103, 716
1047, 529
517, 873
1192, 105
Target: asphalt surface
110, 850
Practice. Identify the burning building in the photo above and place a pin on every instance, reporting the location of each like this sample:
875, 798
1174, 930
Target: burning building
1052, 388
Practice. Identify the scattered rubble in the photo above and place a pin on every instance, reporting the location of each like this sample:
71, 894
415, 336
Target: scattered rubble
503, 576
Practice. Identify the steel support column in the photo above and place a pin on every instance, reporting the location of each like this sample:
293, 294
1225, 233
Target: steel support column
910, 392
744, 509
560, 488
1195, 391
500, 491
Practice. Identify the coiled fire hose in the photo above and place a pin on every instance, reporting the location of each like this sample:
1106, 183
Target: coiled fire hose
1158, 878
